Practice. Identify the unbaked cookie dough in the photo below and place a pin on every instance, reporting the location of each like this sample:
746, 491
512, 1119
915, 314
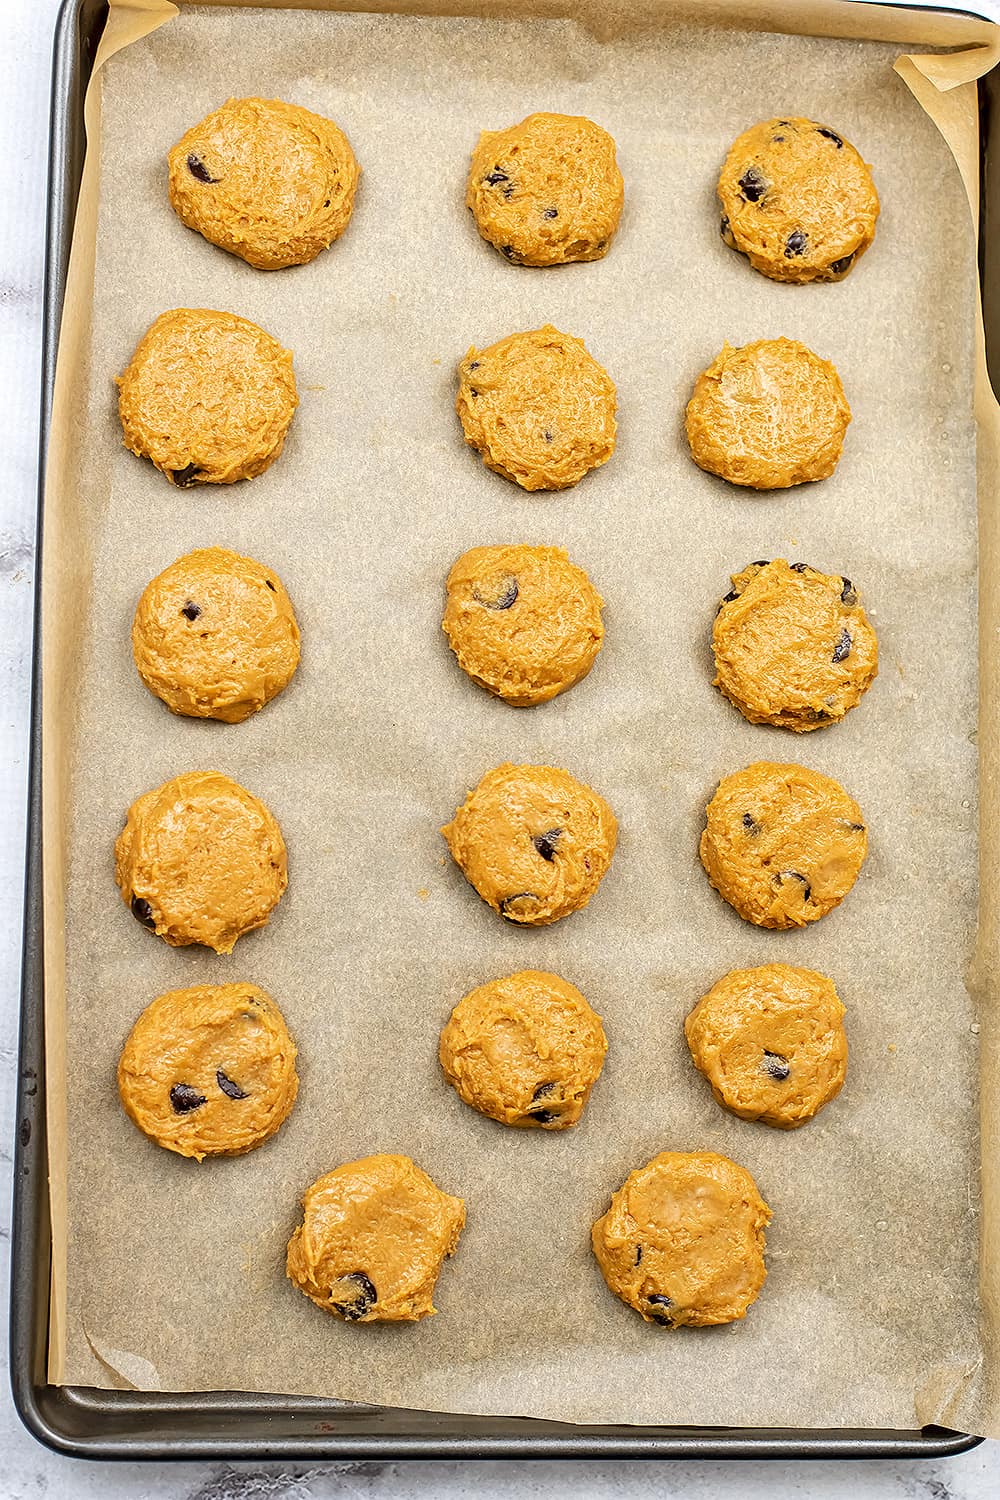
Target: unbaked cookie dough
209, 1071
214, 635
269, 181
207, 397
200, 860
771, 1043
797, 201
524, 622
768, 415
683, 1240
533, 841
538, 408
783, 844
374, 1236
793, 646
525, 1050
546, 191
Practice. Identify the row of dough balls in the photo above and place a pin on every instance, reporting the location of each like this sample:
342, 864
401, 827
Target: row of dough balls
275, 184
210, 1071
215, 635
208, 397
202, 860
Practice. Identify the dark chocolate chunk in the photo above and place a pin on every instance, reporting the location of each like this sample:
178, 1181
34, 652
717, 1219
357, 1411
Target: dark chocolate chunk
848, 594
543, 1116
818, 714
800, 567
725, 229
183, 1099
775, 1066
142, 911
753, 185
198, 169
831, 135
796, 243
510, 252
856, 827
547, 435
185, 477
638, 1255
546, 843
229, 1088
842, 649
728, 598
550, 213
751, 825
507, 904
657, 1299
838, 267
475, 364
763, 564
541, 1091
361, 1296
270, 585
190, 610
795, 875
775, 138
497, 175
502, 599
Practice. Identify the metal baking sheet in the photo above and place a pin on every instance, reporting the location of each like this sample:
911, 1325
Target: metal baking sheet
235, 1425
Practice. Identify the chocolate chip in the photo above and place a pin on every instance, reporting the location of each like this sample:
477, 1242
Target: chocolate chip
183, 1099
776, 138
847, 593
764, 564
270, 585
475, 364
838, 267
842, 649
657, 1299
198, 169
546, 843
142, 911
547, 435
229, 1088
185, 477
543, 1116
831, 135
541, 1091
728, 598
190, 610
753, 185
796, 243
775, 1066
506, 905
818, 714
510, 252
497, 175
856, 827
503, 599
800, 567
794, 875
638, 1255
751, 825
362, 1296
725, 229
550, 213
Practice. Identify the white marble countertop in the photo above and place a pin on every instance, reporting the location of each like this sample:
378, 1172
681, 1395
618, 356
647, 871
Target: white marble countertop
27, 1469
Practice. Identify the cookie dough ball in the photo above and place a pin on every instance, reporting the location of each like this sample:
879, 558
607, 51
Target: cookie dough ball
209, 1071
533, 841
374, 1236
771, 1043
683, 1240
208, 397
797, 201
215, 636
538, 408
524, 622
271, 182
525, 1050
793, 646
200, 860
546, 191
768, 415
783, 844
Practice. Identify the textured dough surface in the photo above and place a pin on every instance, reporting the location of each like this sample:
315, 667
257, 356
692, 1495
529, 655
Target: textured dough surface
207, 397
533, 841
538, 408
793, 647
201, 860
215, 636
797, 201
524, 622
271, 182
782, 844
771, 1043
768, 415
374, 1236
546, 191
683, 1240
209, 1071
525, 1050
